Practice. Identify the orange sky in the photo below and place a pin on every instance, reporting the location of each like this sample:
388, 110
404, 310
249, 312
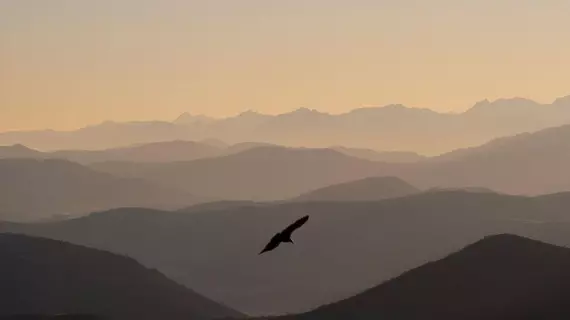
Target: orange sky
66, 64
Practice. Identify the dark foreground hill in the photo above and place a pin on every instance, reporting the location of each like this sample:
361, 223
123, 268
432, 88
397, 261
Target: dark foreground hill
345, 248
367, 189
41, 276
53, 317
501, 277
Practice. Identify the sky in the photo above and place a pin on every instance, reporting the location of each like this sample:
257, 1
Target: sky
65, 64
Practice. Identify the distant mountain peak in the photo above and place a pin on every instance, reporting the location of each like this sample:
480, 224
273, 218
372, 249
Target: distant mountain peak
305, 110
249, 113
20, 146
188, 118
509, 105
183, 116
562, 100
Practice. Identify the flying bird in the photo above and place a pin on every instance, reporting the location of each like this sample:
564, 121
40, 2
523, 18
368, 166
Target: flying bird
285, 235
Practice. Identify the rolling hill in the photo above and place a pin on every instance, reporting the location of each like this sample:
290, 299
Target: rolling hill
277, 173
37, 189
367, 189
502, 277
531, 163
180, 150
260, 174
345, 248
19, 151
41, 276
168, 151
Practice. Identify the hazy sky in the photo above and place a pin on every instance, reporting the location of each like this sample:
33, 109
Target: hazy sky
69, 63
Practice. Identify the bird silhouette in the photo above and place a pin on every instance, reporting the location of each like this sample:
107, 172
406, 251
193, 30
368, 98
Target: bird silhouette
285, 235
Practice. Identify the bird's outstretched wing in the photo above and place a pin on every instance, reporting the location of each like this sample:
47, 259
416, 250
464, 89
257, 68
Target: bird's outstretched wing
273, 243
295, 225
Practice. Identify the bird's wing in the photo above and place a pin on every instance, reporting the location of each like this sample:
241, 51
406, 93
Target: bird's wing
295, 225
273, 243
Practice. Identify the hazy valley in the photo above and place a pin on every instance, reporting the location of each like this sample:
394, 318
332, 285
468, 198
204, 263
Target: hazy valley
391, 234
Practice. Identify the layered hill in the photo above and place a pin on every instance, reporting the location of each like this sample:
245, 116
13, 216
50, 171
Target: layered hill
345, 248
168, 151
392, 128
41, 276
277, 173
367, 189
180, 150
531, 163
261, 174
501, 277
36, 189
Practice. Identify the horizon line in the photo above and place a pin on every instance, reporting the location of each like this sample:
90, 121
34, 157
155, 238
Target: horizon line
213, 118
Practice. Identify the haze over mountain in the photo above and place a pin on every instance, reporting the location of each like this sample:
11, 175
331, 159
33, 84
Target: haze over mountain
260, 174
178, 150
386, 156
502, 277
168, 151
42, 276
348, 246
36, 189
368, 189
390, 128
530, 163
277, 173
19, 151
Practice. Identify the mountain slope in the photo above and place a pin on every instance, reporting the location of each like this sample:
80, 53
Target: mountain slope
532, 163
18, 151
367, 189
35, 189
261, 174
392, 127
168, 151
383, 156
345, 248
277, 173
498, 278
41, 276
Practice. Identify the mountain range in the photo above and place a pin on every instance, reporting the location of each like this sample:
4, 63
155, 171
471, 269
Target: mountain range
526, 164
37, 185
345, 248
42, 276
390, 128
178, 151
367, 189
33, 189
501, 277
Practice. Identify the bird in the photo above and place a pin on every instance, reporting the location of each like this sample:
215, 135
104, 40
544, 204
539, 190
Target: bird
285, 235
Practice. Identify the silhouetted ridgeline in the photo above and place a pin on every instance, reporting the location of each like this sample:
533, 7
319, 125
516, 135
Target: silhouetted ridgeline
266, 173
260, 174
501, 277
180, 150
393, 127
41, 276
53, 317
35, 189
276, 173
346, 248
367, 189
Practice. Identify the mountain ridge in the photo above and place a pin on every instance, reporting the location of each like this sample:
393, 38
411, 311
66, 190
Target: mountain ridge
391, 128
43, 276
392, 236
498, 277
